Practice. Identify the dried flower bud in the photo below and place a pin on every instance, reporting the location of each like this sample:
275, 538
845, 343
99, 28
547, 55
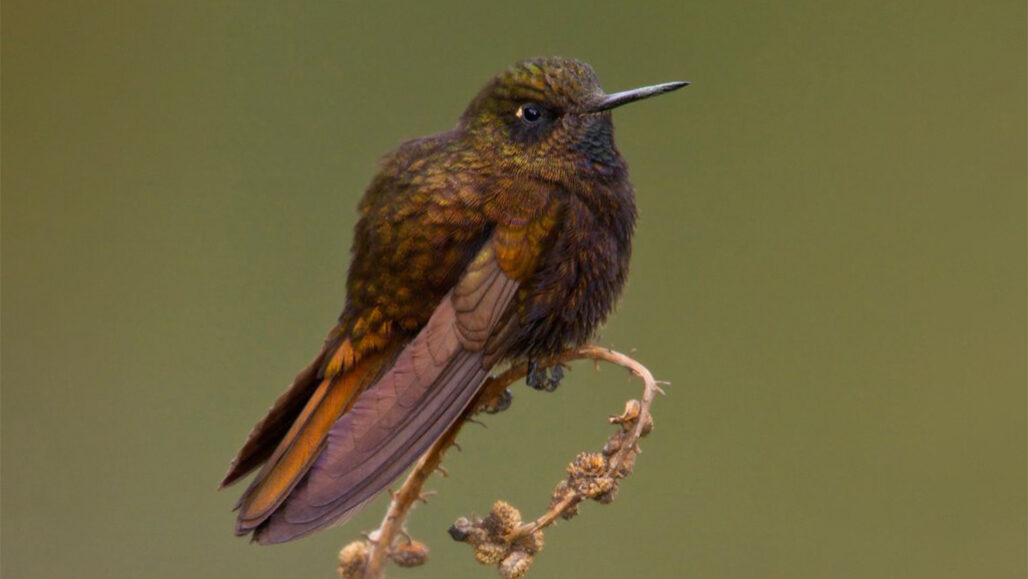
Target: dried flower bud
352, 560
632, 409
559, 493
647, 426
594, 486
503, 519
490, 553
409, 554
607, 497
532, 543
515, 565
627, 465
587, 464
614, 443
467, 531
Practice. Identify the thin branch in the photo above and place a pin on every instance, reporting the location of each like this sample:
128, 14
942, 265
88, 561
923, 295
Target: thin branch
367, 559
403, 500
546, 519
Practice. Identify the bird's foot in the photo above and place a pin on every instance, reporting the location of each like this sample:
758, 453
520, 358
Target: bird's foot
500, 403
544, 379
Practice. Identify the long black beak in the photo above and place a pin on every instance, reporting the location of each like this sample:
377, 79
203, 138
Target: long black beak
624, 97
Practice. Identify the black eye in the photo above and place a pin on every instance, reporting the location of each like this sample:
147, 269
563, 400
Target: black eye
529, 113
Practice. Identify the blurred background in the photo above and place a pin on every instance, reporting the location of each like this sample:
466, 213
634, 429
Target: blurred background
829, 268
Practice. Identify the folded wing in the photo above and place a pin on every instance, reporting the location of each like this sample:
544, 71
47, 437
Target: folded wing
391, 423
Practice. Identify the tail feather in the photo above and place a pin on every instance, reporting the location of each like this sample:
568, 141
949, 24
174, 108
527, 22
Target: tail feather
352, 470
266, 434
301, 445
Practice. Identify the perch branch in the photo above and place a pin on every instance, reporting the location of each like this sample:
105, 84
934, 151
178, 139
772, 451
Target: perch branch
366, 559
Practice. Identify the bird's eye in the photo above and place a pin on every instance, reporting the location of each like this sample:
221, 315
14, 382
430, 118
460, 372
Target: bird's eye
529, 113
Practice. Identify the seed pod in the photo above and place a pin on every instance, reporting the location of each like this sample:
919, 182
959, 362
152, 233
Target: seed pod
409, 554
353, 558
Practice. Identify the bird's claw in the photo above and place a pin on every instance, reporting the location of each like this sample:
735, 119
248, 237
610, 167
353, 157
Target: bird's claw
543, 379
500, 403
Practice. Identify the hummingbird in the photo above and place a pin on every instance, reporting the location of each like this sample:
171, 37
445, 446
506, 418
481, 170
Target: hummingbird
505, 239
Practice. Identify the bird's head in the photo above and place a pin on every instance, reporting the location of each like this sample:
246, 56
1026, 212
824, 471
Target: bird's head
547, 117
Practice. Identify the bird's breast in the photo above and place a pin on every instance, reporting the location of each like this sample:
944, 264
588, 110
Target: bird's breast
579, 278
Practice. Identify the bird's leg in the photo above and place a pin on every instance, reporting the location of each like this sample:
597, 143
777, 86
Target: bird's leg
556, 375
536, 376
541, 379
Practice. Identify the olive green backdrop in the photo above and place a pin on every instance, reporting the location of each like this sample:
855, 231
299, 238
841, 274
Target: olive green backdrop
829, 268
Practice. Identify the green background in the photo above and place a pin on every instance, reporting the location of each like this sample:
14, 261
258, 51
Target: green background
829, 268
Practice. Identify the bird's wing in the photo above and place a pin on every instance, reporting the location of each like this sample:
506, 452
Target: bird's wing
340, 453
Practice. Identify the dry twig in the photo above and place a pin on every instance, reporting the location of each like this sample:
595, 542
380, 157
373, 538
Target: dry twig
501, 538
